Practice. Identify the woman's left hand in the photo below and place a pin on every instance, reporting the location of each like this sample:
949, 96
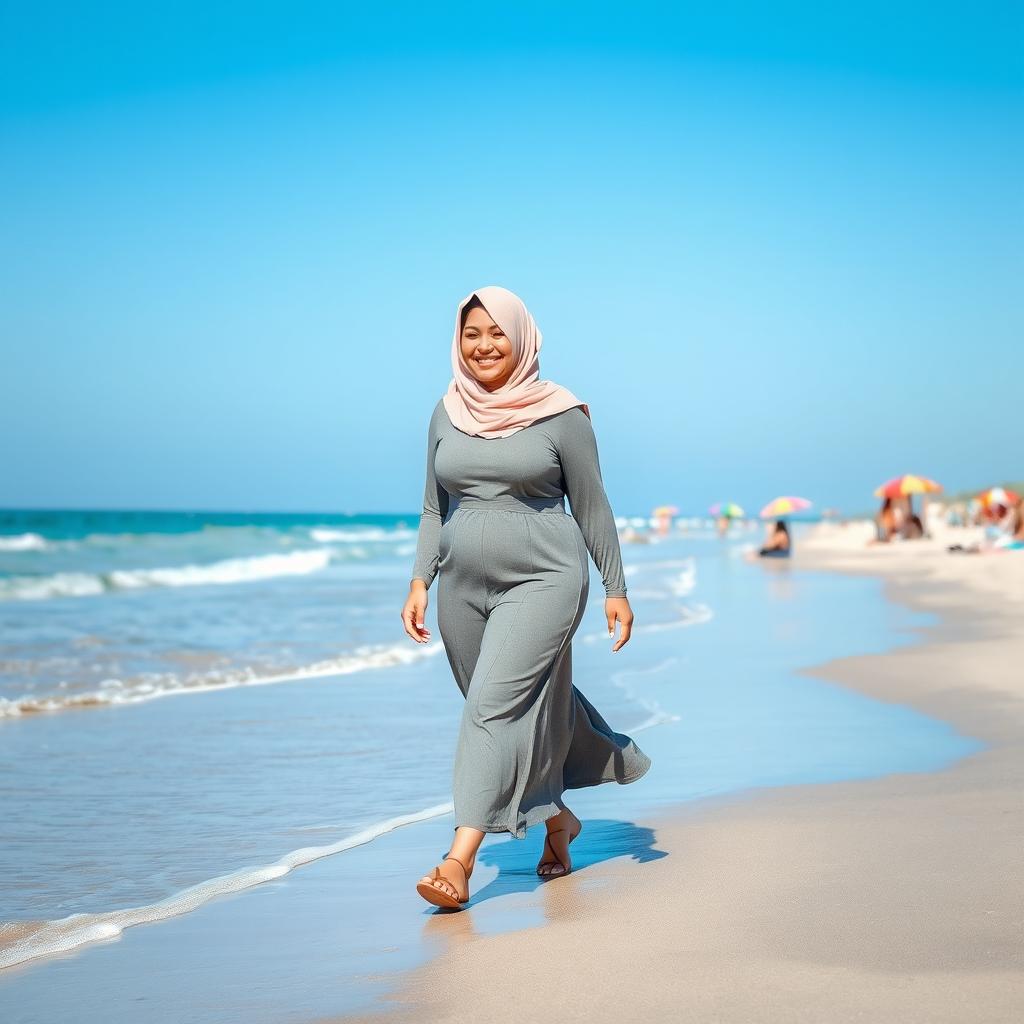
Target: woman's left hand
618, 608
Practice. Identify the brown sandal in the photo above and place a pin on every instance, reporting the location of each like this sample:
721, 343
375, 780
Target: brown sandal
554, 859
439, 897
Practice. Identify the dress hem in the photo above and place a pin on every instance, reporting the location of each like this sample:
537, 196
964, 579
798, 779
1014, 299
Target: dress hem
539, 814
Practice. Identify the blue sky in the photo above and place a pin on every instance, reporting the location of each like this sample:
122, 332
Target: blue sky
776, 248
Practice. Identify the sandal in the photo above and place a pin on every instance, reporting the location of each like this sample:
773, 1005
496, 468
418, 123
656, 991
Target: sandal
440, 897
555, 860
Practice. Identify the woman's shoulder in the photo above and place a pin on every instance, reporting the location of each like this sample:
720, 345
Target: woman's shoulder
570, 422
568, 431
438, 415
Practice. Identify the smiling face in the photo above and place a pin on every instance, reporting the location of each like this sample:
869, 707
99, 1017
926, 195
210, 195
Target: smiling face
486, 351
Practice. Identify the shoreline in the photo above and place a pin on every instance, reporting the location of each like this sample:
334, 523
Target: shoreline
893, 898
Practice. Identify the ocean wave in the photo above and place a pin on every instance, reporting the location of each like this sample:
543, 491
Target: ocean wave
248, 534
695, 615
156, 685
689, 615
656, 714
688, 563
58, 584
23, 542
24, 941
30, 941
360, 535
229, 570
684, 582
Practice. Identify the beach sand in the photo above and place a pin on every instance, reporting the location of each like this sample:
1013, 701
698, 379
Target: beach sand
895, 899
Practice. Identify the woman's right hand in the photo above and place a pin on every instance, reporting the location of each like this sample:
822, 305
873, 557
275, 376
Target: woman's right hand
414, 613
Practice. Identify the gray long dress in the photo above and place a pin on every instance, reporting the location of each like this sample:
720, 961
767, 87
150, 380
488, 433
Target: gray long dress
513, 582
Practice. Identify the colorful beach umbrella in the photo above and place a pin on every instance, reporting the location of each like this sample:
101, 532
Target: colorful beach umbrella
784, 506
728, 509
998, 496
902, 486
665, 510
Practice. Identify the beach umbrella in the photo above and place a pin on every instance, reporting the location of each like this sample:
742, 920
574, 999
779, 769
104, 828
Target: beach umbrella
665, 510
903, 486
784, 506
728, 509
998, 496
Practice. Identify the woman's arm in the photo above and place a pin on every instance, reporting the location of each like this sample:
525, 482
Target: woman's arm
581, 472
435, 508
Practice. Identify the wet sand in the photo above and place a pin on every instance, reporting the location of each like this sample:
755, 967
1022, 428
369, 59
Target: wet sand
893, 899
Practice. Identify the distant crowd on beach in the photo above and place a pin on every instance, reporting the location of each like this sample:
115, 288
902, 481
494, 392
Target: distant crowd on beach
1001, 518
999, 513
996, 519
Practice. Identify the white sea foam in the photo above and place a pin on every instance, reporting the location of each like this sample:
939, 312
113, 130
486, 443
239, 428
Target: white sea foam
689, 564
363, 535
23, 542
59, 584
676, 585
657, 715
689, 615
229, 570
155, 685
51, 937
684, 582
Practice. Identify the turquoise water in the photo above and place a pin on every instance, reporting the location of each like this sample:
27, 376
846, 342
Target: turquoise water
200, 777
115, 607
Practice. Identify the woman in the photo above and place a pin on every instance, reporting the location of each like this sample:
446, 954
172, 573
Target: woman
885, 522
1017, 540
1012, 538
913, 528
504, 450
777, 544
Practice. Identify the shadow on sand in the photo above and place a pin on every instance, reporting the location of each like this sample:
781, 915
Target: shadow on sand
516, 859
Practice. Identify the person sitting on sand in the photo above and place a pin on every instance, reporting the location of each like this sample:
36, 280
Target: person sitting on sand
885, 522
1013, 538
998, 522
913, 528
778, 544
1009, 539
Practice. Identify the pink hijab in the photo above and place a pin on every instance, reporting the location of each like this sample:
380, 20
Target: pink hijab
524, 397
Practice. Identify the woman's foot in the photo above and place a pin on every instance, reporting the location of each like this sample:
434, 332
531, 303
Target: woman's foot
562, 829
448, 884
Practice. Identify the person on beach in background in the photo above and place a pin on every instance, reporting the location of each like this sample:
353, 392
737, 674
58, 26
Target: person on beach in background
997, 522
1017, 535
504, 451
1006, 533
885, 522
778, 543
913, 528
1010, 531
902, 510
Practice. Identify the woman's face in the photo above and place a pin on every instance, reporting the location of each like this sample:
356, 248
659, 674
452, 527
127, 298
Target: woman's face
486, 350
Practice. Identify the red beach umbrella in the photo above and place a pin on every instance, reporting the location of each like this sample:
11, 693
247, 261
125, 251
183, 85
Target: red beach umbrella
902, 486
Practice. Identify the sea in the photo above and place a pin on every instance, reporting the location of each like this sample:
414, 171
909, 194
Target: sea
198, 709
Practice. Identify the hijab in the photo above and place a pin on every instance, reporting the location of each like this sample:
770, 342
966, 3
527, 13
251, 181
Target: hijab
524, 397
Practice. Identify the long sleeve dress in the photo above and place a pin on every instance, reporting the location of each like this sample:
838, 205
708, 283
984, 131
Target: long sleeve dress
513, 583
